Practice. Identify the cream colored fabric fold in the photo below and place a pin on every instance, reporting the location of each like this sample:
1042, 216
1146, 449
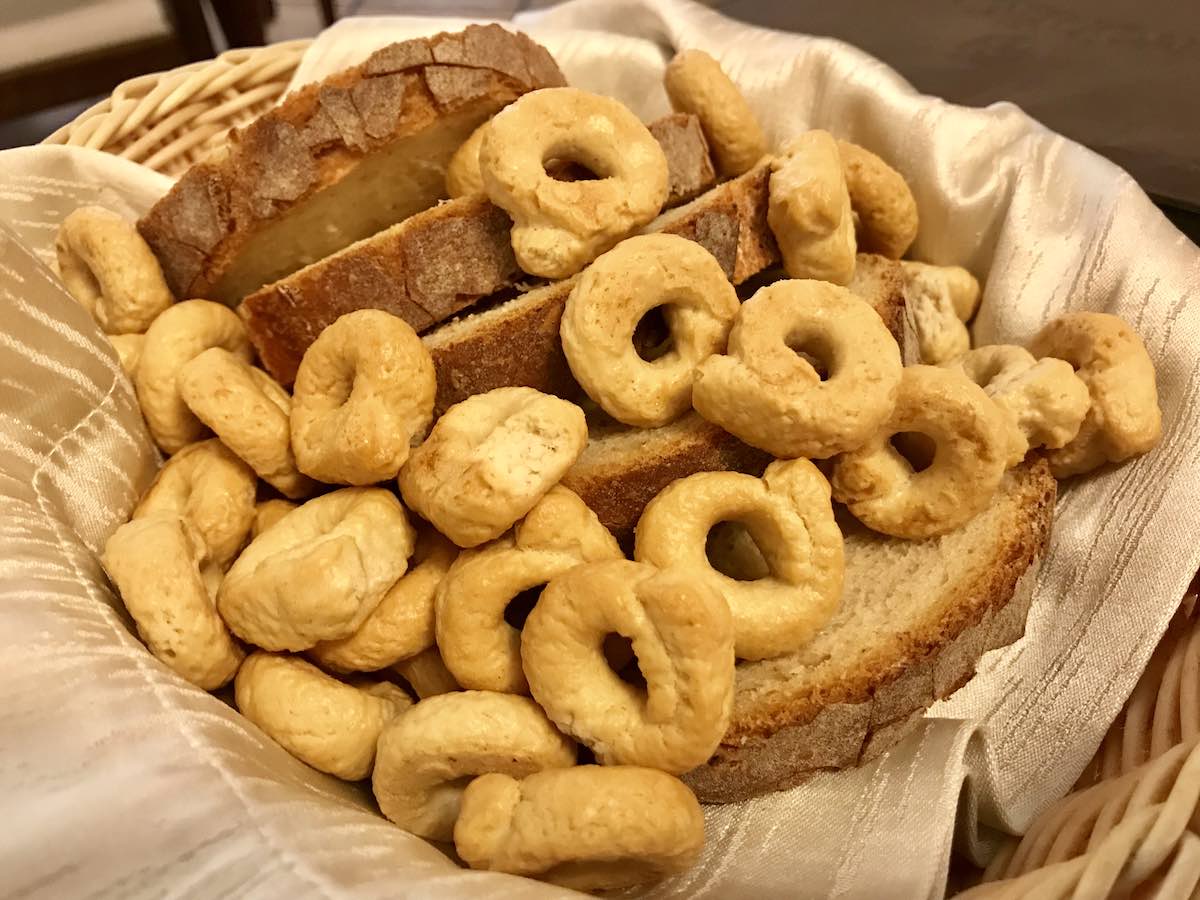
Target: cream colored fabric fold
126, 782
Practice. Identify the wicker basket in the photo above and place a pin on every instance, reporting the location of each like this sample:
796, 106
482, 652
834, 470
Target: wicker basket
168, 120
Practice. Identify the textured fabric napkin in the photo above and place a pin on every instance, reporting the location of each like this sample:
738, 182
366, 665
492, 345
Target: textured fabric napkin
117, 779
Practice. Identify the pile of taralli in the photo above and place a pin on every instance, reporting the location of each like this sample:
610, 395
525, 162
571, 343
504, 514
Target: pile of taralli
390, 627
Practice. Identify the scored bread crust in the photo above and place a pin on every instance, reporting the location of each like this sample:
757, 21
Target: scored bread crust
423, 270
317, 137
795, 716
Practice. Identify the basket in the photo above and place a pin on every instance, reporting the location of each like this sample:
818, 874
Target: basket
168, 120
1128, 825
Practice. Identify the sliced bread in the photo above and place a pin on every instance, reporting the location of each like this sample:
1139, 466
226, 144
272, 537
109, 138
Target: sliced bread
337, 160
622, 469
916, 617
425, 269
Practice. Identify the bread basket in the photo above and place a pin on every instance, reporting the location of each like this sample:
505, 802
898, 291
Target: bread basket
167, 121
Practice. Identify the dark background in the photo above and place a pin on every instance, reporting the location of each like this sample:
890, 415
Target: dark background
1120, 76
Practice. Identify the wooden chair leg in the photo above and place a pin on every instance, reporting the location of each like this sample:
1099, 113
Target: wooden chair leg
328, 13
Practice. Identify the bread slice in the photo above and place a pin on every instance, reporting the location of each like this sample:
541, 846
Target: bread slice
425, 269
516, 342
337, 161
622, 469
730, 221
689, 162
916, 617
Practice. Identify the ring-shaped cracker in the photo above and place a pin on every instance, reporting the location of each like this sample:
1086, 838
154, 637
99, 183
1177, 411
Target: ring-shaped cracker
1044, 401
329, 724
808, 209
176, 337
213, 490
789, 515
1108, 356
480, 648
587, 828
561, 226
879, 485
319, 572
772, 398
489, 459
251, 414
427, 754
886, 208
682, 635
110, 269
610, 299
363, 393
155, 564
402, 625
697, 84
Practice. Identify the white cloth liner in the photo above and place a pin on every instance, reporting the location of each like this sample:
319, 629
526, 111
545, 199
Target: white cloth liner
127, 782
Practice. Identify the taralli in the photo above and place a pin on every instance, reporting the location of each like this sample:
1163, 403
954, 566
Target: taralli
426, 674
318, 575
213, 490
331, 725
682, 635
969, 431
363, 393
489, 459
426, 754
610, 299
402, 624
1110, 358
248, 410
177, 337
480, 648
886, 208
588, 828
108, 267
771, 397
809, 211
268, 513
957, 283
462, 172
155, 564
696, 84
561, 226
1044, 400
939, 300
789, 515
129, 351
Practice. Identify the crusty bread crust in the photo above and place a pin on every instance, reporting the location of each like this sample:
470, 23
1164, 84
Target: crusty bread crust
866, 705
423, 270
317, 137
513, 344
617, 479
730, 222
690, 165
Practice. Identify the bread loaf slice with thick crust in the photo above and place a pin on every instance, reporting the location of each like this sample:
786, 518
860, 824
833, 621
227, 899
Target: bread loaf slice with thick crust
517, 343
916, 616
425, 269
337, 161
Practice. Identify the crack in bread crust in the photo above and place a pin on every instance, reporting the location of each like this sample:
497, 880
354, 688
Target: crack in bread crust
864, 712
